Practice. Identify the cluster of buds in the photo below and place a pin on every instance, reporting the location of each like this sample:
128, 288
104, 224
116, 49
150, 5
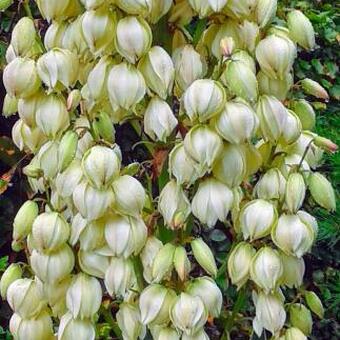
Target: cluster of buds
239, 152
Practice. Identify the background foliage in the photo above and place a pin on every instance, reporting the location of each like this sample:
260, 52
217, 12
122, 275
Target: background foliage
320, 65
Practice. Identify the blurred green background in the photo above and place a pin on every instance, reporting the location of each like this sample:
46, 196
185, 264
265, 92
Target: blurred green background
323, 275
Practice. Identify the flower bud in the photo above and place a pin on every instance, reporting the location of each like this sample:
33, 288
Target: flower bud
294, 334
257, 219
315, 304
125, 235
325, 144
158, 71
173, 205
301, 29
237, 123
273, 117
293, 236
20, 78
204, 256
227, 46
50, 231
293, 270
72, 328
154, 304
67, 181
313, 88
104, 128
164, 333
38, 328
295, 192
212, 202
10, 106
54, 266
266, 269
23, 36
159, 9
67, 150
305, 112
230, 167
11, 274
135, 7
24, 219
301, 318
25, 299
189, 66
278, 88
239, 262
126, 86
84, 296
128, 319
182, 263
58, 67
265, 12
133, 38
159, 120
101, 165
276, 55
148, 255
98, 28
92, 203
52, 116
188, 313
210, 294
270, 313
4, 4
163, 262
181, 166
120, 277
202, 108
205, 154
239, 78
129, 202
322, 191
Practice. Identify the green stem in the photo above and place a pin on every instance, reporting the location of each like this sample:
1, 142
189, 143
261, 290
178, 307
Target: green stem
241, 297
111, 321
137, 264
27, 8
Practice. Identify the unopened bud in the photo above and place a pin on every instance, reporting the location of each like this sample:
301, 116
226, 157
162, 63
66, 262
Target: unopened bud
322, 191
325, 144
305, 112
11, 274
182, 263
204, 256
301, 318
293, 271
67, 149
314, 89
24, 219
315, 304
265, 11
71, 328
163, 262
227, 46
103, 127
301, 29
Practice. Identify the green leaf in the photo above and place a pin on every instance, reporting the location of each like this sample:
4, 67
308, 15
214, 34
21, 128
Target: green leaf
3, 263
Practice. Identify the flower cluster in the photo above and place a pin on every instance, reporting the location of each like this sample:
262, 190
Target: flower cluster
240, 150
